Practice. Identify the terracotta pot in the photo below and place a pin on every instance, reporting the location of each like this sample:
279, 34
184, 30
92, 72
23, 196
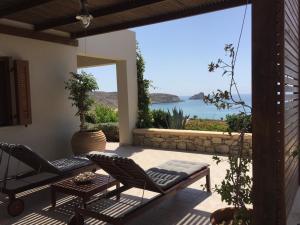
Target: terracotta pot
224, 215
87, 141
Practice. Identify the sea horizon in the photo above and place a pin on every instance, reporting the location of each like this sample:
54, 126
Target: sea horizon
199, 108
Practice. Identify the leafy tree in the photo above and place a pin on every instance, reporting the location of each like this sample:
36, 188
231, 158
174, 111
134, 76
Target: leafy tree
80, 85
144, 113
236, 187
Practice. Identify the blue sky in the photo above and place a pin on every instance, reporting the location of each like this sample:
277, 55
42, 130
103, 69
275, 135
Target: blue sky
177, 53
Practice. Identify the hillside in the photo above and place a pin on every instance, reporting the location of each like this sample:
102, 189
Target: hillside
111, 98
106, 98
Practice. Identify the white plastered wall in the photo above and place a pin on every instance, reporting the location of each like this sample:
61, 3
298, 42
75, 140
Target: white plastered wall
119, 47
53, 120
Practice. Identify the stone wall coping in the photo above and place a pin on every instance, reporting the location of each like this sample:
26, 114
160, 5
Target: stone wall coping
186, 132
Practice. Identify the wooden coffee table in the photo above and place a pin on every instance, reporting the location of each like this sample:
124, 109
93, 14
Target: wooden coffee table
84, 191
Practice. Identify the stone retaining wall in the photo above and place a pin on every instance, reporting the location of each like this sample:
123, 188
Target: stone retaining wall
200, 141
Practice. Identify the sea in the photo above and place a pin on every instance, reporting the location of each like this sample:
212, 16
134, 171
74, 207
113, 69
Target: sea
201, 109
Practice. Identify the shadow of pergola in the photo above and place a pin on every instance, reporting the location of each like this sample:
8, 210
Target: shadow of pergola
177, 210
126, 152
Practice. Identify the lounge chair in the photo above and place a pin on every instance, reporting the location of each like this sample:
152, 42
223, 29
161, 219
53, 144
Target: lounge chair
42, 172
165, 180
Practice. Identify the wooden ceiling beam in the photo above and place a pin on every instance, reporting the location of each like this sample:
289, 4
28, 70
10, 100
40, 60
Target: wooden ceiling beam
26, 33
26, 4
162, 18
52, 23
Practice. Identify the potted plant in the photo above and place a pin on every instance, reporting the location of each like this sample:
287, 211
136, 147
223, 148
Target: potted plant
236, 187
80, 85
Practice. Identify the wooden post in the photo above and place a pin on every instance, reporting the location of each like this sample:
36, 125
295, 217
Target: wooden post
268, 116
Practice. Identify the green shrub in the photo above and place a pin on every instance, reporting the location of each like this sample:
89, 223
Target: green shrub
160, 118
102, 114
206, 125
168, 120
177, 120
111, 131
237, 122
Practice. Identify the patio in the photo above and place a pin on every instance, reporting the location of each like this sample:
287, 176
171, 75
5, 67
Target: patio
189, 207
29, 28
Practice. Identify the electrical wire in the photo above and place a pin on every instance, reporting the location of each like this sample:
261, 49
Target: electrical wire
237, 49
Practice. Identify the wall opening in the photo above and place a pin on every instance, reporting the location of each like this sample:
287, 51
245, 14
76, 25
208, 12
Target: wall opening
104, 114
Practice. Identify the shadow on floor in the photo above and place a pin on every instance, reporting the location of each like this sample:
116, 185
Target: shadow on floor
177, 210
124, 151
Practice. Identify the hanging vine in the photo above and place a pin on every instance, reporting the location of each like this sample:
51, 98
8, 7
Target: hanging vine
144, 113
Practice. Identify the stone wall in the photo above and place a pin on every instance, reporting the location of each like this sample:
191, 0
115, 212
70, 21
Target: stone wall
200, 141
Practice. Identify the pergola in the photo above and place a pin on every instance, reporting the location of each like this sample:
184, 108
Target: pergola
275, 72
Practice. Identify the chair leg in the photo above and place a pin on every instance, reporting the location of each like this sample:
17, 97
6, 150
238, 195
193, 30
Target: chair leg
15, 206
76, 219
119, 194
208, 185
53, 196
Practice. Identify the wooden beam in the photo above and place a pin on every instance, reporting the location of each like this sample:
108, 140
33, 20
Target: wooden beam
52, 23
17, 7
21, 32
162, 18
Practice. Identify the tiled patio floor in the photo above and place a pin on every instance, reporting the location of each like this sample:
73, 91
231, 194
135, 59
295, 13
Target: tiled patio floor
294, 216
191, 206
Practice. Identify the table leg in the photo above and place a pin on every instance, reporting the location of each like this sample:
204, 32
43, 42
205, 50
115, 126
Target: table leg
118, 195
84, 200
53, 197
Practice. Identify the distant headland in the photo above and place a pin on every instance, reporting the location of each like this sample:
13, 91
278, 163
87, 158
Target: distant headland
111, 98
163, 98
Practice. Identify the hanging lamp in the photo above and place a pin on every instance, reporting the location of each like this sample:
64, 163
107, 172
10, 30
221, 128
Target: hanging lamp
84, 16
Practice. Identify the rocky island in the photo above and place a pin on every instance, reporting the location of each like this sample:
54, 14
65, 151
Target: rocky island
111, 98
198, 96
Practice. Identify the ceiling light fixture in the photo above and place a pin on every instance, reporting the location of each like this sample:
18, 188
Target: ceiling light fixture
84, 16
